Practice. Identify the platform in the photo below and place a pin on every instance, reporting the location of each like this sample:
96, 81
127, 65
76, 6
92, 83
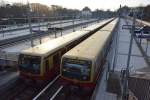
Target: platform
137, 60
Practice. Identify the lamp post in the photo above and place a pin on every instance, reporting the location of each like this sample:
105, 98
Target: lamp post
38, 13
29, 21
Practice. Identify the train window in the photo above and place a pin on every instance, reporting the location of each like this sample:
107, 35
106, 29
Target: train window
71, 46
80, 40
30, 63
63, 51
77, 69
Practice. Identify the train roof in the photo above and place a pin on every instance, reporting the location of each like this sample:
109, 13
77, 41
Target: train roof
111, 26
90, 48
55, 44
90, 28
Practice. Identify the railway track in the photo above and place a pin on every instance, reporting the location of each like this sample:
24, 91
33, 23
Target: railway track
56, 91
71, 93
13, 41
35, 26
21, 90
49, 90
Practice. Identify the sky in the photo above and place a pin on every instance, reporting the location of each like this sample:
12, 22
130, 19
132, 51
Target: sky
92, 4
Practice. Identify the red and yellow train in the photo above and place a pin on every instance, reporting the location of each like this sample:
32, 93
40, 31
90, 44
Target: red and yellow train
42, 62
82, 65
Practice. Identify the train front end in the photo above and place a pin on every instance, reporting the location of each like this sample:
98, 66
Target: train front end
30, 67
77, 72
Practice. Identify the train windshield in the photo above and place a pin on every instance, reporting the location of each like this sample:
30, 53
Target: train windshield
76, 69
30, 63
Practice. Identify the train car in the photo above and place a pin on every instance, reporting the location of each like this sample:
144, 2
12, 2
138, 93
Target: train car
8, 59
42, 62
82, 65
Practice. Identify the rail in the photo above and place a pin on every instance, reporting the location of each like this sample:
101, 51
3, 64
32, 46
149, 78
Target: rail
56, 93
34, 26
38, 95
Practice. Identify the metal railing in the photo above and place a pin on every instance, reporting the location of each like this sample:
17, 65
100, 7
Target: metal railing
140, 87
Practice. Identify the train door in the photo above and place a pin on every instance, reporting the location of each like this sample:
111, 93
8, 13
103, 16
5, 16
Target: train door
56, 62
48, 66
